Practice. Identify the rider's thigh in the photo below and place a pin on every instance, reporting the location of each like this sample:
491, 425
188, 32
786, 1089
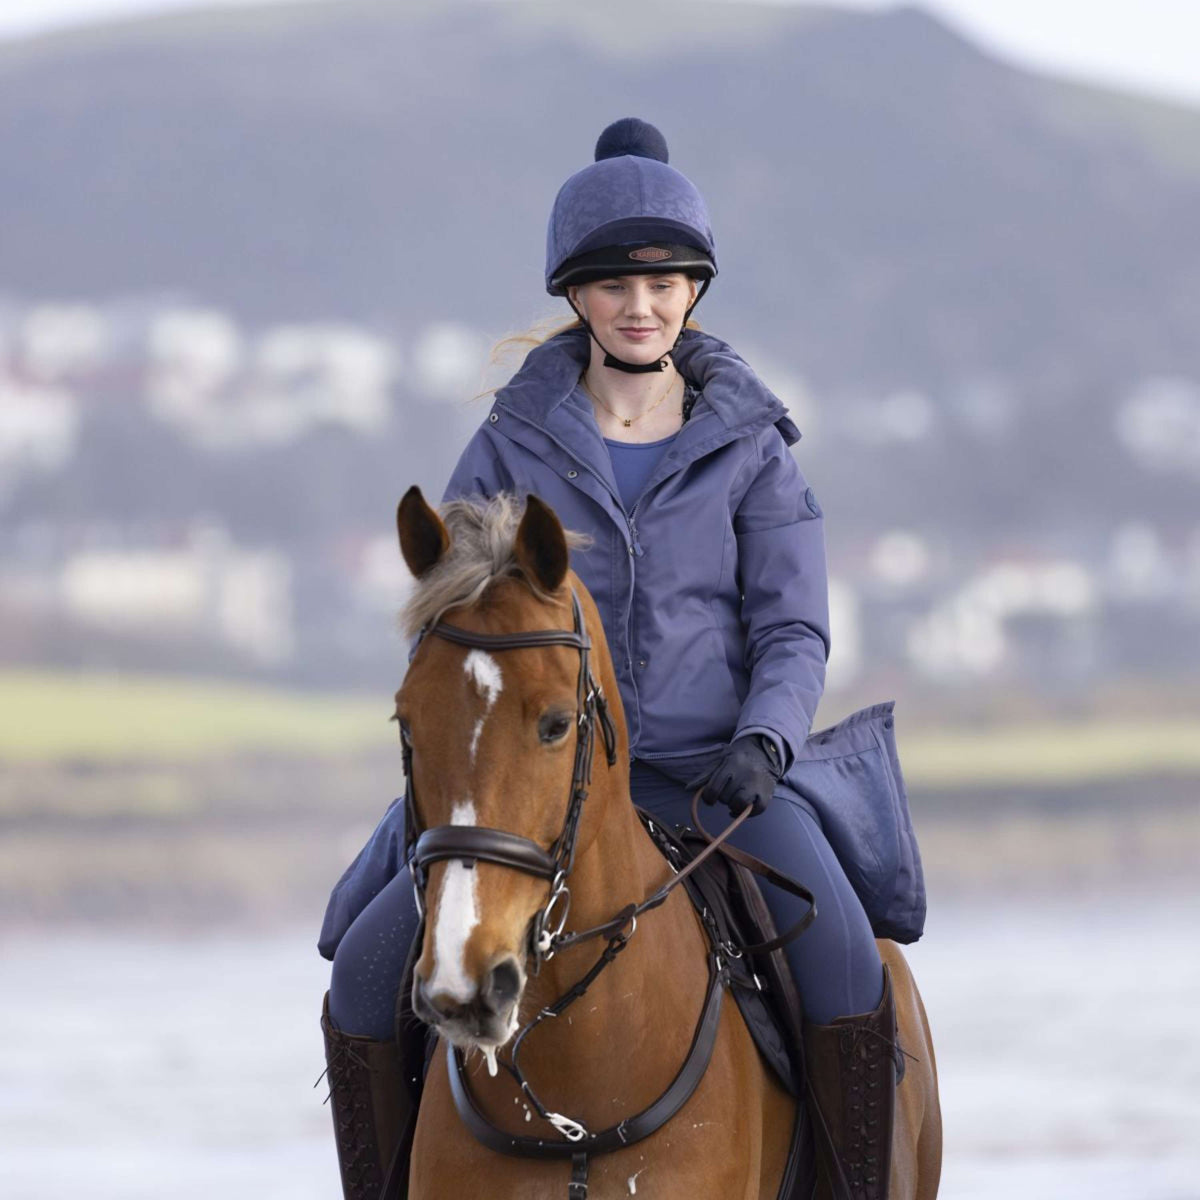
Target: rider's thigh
835, 961
370, 960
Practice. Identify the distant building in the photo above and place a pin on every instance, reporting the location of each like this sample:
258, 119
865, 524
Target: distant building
209, 588
58, 341
976, 632
39, 426
226, 394
845, 636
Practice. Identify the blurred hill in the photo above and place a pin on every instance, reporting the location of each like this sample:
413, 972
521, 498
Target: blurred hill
892, 206
251, 262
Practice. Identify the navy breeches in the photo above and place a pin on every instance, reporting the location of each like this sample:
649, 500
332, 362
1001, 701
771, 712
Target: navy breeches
835, 962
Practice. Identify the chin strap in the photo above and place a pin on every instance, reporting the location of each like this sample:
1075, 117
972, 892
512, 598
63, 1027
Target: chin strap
660, 364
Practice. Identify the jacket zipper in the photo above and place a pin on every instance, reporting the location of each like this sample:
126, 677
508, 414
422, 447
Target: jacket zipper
639, 553
637, 546
634, 545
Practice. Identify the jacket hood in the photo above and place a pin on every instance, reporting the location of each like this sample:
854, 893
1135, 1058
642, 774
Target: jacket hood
728, 384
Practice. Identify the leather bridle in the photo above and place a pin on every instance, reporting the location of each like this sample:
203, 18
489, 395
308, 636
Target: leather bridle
469, 843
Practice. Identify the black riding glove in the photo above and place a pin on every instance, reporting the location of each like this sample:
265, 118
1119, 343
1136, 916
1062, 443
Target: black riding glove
744, 777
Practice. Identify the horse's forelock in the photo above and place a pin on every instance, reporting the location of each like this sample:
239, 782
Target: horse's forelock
483, 533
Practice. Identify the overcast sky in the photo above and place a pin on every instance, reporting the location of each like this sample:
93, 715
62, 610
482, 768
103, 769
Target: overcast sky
1153, 45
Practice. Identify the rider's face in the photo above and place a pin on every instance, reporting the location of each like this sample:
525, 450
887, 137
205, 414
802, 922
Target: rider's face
653, 305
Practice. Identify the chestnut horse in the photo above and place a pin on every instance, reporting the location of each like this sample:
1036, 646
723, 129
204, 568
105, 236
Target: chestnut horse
491, 743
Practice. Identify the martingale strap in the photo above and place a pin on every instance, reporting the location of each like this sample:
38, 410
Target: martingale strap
631, 1129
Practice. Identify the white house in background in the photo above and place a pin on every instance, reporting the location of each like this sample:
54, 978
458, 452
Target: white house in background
225, 393
39, 426
965, 635
56, 341
845, 636
208, 589
193, 354
449, 361
338, 373
382, 583
1158, 424
899, 560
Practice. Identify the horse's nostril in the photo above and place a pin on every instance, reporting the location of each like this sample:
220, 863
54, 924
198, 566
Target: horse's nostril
420, 1001
502, 986
426, 1007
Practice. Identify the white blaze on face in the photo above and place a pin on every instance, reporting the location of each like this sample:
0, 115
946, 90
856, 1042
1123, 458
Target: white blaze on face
457, 916
458, 905
484, 672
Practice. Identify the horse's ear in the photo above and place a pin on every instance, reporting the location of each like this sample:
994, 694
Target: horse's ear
423, 536
541, 546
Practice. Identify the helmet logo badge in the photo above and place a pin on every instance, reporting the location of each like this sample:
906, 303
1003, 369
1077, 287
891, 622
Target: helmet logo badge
650, 254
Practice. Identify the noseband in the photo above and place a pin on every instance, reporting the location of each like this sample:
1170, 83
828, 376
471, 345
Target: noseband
468, 843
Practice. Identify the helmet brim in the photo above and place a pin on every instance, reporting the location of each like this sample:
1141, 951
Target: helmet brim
641, 258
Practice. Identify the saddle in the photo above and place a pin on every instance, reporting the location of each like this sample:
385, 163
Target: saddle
725, 893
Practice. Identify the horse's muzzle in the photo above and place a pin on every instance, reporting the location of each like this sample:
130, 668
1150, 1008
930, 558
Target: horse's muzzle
487, 1016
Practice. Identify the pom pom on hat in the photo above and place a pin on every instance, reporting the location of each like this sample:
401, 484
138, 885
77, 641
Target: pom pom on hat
631, 136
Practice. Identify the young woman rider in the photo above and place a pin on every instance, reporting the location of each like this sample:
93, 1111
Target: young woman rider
707, 564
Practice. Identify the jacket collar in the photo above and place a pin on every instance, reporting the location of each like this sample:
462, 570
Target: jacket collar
548, 377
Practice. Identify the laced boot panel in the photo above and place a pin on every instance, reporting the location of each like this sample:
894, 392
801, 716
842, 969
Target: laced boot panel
372, 1108
852, 1089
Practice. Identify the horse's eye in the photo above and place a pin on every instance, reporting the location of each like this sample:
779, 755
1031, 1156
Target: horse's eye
554, 727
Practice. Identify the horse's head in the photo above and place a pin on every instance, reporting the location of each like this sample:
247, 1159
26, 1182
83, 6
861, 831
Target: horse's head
491, 734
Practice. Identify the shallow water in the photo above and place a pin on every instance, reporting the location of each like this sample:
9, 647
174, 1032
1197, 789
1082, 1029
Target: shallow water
136, 1067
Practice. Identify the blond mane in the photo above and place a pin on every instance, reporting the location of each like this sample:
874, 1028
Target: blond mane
482, 535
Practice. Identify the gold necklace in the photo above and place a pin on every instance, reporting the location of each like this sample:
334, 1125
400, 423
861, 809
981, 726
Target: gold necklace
626, 421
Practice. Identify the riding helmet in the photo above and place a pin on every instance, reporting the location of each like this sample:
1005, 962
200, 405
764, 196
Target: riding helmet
628, 213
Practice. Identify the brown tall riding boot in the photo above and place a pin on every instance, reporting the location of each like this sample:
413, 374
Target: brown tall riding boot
373, 1110
852, 1086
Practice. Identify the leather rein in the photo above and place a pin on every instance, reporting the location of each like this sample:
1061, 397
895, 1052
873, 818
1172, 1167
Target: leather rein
469, 844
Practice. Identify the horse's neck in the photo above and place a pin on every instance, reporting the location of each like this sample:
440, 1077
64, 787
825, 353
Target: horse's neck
644, 1005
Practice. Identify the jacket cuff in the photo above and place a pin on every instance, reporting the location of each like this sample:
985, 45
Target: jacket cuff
781, 747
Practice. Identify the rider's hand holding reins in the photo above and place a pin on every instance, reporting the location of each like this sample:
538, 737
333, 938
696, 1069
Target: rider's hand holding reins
745, 777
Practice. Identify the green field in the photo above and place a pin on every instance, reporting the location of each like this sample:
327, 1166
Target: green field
52, 717
1050, 754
